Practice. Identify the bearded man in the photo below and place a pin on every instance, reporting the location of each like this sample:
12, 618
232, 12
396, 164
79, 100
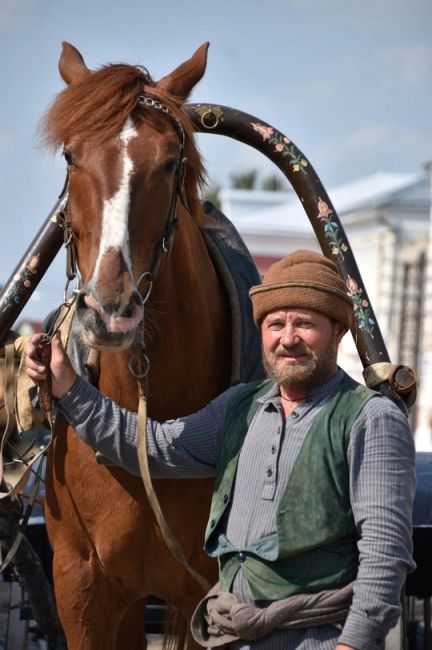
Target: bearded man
311, 515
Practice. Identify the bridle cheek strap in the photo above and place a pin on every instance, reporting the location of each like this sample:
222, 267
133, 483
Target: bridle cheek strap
172, 222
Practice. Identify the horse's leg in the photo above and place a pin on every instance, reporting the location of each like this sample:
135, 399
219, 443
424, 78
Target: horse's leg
89, 610
131, 633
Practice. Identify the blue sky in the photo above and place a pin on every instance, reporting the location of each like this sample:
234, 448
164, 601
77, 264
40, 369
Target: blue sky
349, 81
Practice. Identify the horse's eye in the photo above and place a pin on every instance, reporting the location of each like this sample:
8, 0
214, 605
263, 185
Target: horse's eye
170, 166
68, 157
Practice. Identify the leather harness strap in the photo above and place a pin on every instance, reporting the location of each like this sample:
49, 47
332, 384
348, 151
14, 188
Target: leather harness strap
9, 393
63, 319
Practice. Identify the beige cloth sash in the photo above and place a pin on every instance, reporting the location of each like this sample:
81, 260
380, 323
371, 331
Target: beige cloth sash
220, 618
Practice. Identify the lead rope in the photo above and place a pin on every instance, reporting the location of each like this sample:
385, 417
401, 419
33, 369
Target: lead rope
141, 375
169, 538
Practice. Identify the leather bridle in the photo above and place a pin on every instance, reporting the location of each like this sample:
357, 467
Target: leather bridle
171, 223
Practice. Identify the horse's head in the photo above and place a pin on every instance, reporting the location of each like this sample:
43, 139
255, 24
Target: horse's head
122, 135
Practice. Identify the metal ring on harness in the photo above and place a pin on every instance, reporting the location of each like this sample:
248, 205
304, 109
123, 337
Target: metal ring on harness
139, 375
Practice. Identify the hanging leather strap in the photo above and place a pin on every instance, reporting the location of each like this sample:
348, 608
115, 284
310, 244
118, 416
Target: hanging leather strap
169, 539
63, 321
9, 402
10, 426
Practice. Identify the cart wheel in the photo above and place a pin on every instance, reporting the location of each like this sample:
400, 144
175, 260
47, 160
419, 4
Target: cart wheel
16, 625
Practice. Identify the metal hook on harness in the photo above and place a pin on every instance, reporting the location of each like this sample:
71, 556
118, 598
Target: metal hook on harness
75, 290
164, 245
149, 276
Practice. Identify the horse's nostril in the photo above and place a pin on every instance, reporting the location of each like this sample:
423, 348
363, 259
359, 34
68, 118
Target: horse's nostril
80, 301
134, 300
128, 311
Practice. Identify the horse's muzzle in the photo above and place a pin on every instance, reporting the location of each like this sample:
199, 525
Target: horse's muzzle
109, 325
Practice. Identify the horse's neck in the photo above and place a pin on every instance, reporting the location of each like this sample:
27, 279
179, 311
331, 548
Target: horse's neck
188, 334
189, 327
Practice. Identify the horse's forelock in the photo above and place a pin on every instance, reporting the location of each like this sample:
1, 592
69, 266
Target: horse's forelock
97, 107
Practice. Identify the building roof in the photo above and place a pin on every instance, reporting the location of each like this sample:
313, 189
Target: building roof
255, 212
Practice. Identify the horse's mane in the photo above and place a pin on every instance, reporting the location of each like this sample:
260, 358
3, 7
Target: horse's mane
97, 106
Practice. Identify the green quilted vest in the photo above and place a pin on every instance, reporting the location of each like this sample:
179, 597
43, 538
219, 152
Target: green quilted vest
316, 543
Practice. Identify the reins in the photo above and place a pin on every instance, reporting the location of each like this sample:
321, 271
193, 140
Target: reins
169, 538
141, 372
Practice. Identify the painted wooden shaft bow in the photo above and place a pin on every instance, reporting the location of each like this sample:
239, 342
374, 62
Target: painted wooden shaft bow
279, 148
222, 120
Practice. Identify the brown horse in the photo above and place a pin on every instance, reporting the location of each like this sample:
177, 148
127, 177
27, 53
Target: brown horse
122, 136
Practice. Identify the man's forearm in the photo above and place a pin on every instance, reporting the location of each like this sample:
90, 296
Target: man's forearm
102, 424
183, 448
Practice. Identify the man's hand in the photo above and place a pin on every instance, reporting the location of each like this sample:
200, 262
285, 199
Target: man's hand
340, 646
62, 373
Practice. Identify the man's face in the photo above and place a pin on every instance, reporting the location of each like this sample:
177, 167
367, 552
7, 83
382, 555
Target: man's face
300, 347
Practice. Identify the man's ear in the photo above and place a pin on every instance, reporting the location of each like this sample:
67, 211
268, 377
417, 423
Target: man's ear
339, 331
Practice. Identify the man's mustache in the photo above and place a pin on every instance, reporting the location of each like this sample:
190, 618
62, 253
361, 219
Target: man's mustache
298, 349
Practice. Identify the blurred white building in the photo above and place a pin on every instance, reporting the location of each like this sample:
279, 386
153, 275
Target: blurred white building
388, 222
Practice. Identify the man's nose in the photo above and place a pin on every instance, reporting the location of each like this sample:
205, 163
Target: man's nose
289, 336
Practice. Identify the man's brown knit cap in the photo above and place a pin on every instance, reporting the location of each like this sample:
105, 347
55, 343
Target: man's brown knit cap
303, 279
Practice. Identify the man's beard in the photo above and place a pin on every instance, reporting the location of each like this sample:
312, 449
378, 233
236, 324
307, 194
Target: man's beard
306, 375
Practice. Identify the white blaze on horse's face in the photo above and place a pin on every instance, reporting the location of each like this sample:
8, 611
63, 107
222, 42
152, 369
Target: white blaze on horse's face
112, 292
115, 231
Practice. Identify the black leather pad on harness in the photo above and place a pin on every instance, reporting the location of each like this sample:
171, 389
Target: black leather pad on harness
238, 274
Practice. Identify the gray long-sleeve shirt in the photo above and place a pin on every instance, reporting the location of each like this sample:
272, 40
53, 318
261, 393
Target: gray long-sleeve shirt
381, 460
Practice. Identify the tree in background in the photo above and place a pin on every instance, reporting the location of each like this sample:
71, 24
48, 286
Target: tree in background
245, 181
212, 194
272, 184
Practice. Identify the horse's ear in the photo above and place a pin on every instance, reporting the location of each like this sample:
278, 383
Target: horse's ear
71, 64
181, 81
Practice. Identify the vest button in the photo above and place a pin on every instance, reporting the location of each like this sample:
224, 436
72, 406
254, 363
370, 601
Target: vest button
212, 523
269, 472
225, 498
241, 557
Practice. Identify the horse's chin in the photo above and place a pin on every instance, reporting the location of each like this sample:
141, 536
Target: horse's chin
107, 341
